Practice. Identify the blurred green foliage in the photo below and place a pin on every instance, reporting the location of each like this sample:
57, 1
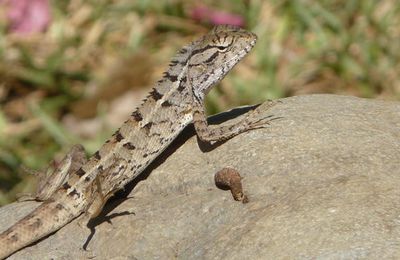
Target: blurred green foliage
94, 51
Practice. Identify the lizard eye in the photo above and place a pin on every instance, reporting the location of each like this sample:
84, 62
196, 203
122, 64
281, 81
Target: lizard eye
222, 48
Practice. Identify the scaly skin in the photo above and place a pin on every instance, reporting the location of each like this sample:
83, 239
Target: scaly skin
176, 101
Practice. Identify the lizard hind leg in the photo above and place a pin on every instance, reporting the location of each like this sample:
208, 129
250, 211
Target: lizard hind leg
97, 204
211, 133
56, 174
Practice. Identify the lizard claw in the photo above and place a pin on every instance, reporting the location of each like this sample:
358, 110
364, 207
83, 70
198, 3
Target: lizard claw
253, 121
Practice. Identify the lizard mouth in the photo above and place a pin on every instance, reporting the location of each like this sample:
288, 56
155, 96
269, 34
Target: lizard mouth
251, 45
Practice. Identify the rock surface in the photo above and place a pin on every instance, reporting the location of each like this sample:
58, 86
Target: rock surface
323, 182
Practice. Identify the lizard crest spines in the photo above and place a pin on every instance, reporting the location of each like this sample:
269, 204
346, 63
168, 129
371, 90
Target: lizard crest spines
137, 116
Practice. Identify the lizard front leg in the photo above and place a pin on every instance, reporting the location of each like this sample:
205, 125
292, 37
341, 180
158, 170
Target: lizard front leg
211, 133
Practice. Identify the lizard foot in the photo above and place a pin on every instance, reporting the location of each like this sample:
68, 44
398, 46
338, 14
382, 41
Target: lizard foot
253, 119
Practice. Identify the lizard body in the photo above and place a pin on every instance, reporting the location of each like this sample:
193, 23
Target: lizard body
176, 101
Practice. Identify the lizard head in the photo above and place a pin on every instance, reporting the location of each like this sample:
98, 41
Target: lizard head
215, 55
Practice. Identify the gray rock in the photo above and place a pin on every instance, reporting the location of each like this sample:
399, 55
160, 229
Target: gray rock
323, 183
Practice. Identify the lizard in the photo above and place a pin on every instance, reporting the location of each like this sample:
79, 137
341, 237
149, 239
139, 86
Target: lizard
176, 101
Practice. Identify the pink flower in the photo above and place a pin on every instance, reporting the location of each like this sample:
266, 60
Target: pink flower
205, 14
28, 16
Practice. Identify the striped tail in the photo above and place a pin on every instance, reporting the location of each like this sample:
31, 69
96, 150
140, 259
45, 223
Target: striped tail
44, 220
